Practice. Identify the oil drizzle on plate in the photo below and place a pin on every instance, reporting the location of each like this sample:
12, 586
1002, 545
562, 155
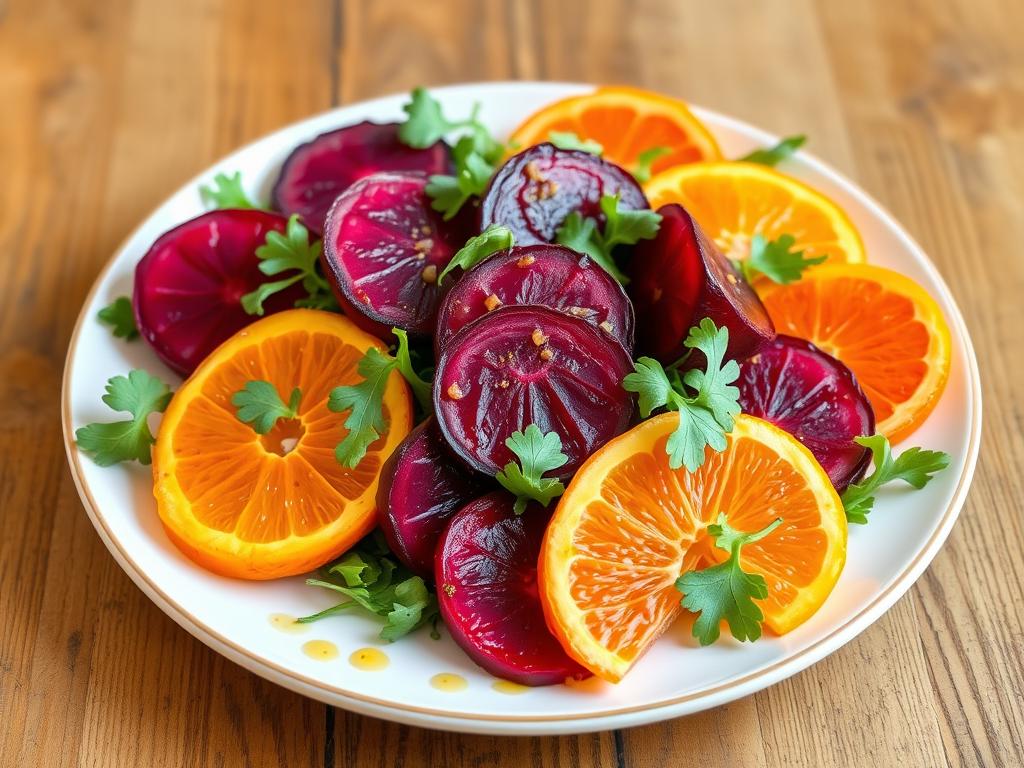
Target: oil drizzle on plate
449, 682
321, 650
369, 659
287, 623
507, 686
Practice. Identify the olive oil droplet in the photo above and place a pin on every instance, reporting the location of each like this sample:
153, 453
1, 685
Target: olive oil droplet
284, 622
449, 682
321, 650
507, 686
369, 659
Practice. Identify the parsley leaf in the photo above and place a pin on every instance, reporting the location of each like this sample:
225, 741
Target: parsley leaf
291, 251
372, 579
570, 140
914, 466
493, 239
259, 404
705, 399
621, 227
426, 124
646, 159
537, 453
226, 192
777, 260
775, 155
726, 591
120, 316
366, 403
109, 443
422, 389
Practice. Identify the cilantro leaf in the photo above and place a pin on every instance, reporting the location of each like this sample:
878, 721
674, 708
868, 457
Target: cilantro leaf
120, 316
777, 260
109, 443
537, 453
493, 239
915, 466
775, 155
570, 140
226, 192
426, 124
422, 389
645, 160
621, 227
259, 404
706, 399
366, 403
725, 591
290, 252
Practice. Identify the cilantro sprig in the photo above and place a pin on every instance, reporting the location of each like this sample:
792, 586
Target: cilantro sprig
493, 239
725, 591
915, 466
621, 227
570, 140
705, 399
777, 260
260, 406
645, 162
772, 156
120, 316
226, 192
374, 581
538, 453
290, 252
139, 394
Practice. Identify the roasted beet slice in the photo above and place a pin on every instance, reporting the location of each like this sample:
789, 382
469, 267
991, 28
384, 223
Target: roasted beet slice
549, 275
189, 285
522, 365
486, 571
384, 247
534, 191
421, 487
679, 278
813, 396
318, 171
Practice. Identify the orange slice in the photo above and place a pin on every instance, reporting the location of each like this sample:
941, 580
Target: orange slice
264, 506
626, 122
628, 526
882, 325
732, 202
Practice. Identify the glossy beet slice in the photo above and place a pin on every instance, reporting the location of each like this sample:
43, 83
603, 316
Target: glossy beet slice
534, 191
421, 487
318, 171
384, 248
549, 275
486, 572
189, 285
681, 277
522, 365
816, 398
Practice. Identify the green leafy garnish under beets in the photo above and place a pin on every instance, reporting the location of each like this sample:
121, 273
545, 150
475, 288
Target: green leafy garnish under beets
260, 406
493, 239
226, 192
120, 316
777, 260
139, 394
775, 155
538, 453
570, 140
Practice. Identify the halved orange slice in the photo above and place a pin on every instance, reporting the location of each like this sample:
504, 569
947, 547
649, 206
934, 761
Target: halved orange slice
263, 506
882, 325
628, 526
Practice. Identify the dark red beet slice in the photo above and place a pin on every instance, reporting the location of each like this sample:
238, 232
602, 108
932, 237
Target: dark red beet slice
421, 487
486, 571
534, 191
549, 275
384, 248
188, 286
816, 398
522, 365
679, 278
317, 172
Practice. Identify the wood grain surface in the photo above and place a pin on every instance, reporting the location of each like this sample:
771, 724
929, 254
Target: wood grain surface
108, 106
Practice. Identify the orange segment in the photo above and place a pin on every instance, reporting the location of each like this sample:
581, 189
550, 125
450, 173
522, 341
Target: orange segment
882, 325
264, 506
734, 201
626, 122
628, 526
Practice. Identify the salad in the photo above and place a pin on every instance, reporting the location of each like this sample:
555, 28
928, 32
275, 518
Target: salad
556, 390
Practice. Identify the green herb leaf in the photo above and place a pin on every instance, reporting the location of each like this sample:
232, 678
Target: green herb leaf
109, 443
366, 403
493, 239
570, 140
290, 252
422, 389
226, 192
915, 466
538, 453
775, 155
426, 124
777, 260
120, 316
645, 160
260, 405
725, 591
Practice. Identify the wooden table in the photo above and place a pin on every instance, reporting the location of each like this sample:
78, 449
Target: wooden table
109, 105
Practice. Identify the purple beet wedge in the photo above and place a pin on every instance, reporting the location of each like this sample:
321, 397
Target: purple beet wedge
522, 365
534, 191
318, 171
679, 278
384, 247
813, 396
421, 487
486, 572
548, 275
189, 285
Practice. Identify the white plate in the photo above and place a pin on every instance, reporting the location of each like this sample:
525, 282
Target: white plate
676, 677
